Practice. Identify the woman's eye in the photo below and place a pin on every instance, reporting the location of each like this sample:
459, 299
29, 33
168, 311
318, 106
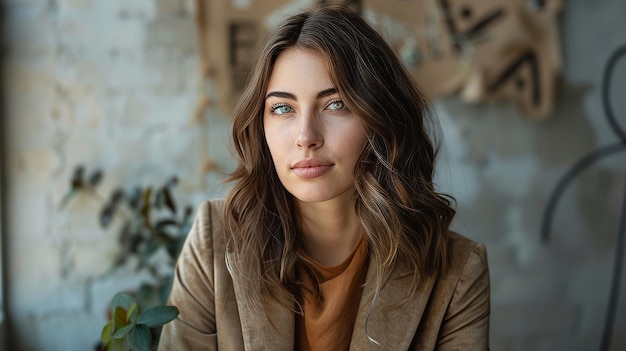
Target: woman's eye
336, 105
280, 109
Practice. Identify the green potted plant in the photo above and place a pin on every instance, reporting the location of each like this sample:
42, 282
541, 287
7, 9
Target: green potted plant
129, 328
150, 222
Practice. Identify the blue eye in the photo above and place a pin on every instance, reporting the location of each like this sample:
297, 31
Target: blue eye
280, 109
336, 105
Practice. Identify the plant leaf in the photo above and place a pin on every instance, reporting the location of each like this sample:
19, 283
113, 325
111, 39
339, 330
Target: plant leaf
77, 181
174, 246
172, 182
134, 198
123, 300
123, 331
146, 295
157, 316
145, 207
133, 313
165, 289
187, 215
95, 178
158, 199
125, 235
160, 225
140, 338
135, 242
120, 318
116, 197
106, 216
117, 345
162, 237
149, 250
107, 332
169, 200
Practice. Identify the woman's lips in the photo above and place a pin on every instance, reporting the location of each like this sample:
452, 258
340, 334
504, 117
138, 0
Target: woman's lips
311, 168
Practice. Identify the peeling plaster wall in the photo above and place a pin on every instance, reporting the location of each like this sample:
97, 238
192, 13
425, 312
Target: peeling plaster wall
113, 84
502, 169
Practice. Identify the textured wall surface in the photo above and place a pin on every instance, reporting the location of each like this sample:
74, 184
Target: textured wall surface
113, 84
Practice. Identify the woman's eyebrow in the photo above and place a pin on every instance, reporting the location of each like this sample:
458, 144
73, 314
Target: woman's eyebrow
283, 94
326, 92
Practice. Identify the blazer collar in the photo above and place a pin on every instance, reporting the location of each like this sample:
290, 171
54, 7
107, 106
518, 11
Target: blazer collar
386, 329
389, 329
263, 332
275, 331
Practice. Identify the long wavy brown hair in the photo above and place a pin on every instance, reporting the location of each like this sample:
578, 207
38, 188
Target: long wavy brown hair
404, 218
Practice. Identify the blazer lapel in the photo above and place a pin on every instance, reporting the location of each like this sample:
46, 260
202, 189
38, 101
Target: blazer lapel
274, 331
391, 329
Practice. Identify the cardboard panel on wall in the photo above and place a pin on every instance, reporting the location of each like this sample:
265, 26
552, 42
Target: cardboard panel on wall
229, 40
230, 33
424, 45
488, 50
516, 54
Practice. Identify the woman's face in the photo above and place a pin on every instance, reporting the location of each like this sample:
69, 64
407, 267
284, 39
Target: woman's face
313, 138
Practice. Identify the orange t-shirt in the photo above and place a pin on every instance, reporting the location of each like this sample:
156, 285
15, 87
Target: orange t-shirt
328, 320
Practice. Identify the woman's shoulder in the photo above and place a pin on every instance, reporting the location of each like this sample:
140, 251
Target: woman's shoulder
212, 210
466, 256
211, 213
208, 229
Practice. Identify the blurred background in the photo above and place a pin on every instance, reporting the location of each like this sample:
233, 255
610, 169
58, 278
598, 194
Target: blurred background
115, 125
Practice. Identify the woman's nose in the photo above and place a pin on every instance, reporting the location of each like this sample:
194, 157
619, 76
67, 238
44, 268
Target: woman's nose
309, 132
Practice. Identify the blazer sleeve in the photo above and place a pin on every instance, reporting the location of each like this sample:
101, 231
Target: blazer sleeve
466, 322
193, 291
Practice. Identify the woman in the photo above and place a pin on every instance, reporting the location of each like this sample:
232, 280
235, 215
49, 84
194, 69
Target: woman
333, 236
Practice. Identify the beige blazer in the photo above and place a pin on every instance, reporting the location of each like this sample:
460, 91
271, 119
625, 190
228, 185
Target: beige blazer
449, 313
